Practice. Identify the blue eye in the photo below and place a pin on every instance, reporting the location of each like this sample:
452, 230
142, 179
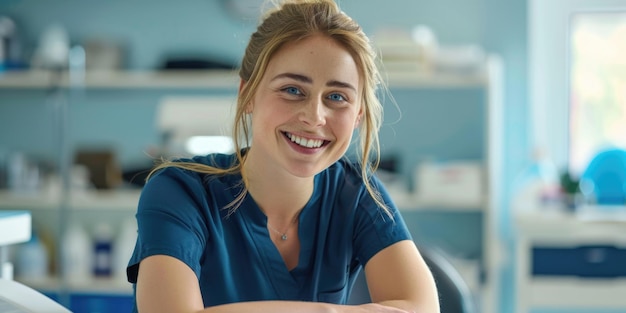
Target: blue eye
292, 90
336, 97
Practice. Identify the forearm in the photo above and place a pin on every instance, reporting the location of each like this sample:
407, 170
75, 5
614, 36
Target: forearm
411, 306
308, 307
400, 304
273, 306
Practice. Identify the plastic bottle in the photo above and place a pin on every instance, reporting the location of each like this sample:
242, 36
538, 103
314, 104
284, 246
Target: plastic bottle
123, 249
32, 260
76, 254
103, 251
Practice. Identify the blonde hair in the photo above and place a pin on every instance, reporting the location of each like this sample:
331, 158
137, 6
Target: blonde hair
291, 21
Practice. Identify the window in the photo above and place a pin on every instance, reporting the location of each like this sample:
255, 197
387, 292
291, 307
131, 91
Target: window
597, 117
566, 39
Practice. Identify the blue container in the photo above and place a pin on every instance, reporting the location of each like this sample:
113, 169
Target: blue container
604, 180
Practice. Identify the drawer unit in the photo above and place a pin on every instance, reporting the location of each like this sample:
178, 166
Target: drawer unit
99, 303
597, 261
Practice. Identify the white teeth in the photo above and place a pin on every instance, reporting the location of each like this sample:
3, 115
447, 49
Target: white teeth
309, 143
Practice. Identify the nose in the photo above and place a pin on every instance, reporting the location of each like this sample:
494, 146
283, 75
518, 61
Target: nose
313, 112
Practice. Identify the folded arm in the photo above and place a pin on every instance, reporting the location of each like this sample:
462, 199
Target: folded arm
398, 279
398, 276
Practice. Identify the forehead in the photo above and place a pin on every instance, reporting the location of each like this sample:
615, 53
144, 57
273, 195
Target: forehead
316, 54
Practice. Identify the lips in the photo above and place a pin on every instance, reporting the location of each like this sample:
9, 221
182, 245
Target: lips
304, 142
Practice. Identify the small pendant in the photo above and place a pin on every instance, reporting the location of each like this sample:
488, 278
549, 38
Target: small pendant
284, 237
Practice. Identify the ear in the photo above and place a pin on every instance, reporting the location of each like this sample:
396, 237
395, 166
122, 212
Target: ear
242, 85
357, 123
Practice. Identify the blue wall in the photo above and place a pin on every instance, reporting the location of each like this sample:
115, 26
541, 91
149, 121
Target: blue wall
152, 28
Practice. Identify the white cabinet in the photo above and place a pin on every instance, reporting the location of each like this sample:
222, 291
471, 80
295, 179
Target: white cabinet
566, 263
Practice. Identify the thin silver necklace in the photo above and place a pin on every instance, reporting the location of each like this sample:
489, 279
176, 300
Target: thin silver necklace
283, 236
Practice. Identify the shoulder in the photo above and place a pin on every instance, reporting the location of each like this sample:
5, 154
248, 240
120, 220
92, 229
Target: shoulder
189, 191
344, 169
188, 173
191, 167
214, 159
344, 180
347, 173
218, 160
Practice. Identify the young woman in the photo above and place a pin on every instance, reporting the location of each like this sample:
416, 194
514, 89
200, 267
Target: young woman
285, 223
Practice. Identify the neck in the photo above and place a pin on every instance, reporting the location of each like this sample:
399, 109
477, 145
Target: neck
279, 194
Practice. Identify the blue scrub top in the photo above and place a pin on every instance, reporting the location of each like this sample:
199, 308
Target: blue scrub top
181, 214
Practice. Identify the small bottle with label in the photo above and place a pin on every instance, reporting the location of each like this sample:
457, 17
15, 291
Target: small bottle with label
103, 250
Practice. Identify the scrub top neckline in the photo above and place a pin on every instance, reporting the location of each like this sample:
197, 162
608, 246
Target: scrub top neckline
284, 281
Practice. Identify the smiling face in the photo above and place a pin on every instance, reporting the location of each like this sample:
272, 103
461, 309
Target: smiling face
306, 108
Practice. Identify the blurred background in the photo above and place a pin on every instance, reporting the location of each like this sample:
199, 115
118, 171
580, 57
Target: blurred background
504, 148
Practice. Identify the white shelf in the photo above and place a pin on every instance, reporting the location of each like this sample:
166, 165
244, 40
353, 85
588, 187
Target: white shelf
88, 200
128, 199
416, 79
565, 229
409, 202
113, 285
440, 207
223, 79
125, 79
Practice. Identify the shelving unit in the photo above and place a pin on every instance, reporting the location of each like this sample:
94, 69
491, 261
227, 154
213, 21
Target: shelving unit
122, 203
112, 207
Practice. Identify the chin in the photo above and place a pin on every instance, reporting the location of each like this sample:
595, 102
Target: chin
305, 172
309, 170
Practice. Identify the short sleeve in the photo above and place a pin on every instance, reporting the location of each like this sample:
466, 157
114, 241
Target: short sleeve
374, 228
170, 220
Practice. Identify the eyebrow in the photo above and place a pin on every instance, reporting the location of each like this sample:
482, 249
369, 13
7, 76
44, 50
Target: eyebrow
308, 80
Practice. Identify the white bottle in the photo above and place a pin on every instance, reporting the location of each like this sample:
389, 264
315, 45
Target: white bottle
123, 248
32, 260
76, 254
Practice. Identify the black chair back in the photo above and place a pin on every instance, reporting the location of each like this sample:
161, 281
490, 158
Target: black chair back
454, 293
